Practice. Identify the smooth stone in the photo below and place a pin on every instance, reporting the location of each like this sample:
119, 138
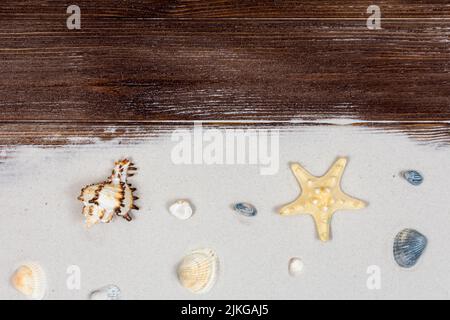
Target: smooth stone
181, 209
245, 209
295, 267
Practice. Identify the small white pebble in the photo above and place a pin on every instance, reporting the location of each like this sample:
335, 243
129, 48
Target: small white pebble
181, 209
295, 267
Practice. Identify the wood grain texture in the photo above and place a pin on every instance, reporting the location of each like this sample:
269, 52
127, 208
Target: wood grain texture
227, 9
153, 62
230, 70
63, 134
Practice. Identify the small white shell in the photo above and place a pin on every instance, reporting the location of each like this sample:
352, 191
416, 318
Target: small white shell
198, 270
30, 280
181, 209
109, 292
295, 267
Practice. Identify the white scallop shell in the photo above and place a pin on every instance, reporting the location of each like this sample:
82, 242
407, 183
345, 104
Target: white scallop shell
181, 209
30, 280
198, 270
295, 266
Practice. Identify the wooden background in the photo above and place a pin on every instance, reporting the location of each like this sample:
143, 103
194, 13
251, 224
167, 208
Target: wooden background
137, 68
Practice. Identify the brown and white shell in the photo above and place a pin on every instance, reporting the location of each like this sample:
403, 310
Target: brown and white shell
113, 197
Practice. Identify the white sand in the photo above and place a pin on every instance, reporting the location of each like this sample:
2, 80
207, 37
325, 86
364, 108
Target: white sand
41, 220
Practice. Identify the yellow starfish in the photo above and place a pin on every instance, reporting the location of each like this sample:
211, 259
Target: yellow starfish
321, 197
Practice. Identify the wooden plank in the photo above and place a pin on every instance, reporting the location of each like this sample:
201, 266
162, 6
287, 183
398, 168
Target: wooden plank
61, 134
137, 67
228, 70
43, 11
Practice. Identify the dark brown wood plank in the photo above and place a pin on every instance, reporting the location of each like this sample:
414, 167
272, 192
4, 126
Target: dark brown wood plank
130, 70
323, 9
138, 68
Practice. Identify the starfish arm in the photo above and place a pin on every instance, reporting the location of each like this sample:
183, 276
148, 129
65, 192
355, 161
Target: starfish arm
301, 174
322, 226
345, 202
295, 207
334, 174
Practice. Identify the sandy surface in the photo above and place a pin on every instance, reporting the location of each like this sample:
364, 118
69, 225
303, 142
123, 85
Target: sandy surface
41, 220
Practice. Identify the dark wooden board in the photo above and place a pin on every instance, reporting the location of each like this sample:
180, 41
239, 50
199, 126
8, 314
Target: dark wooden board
153, 62
232, 70
224, 9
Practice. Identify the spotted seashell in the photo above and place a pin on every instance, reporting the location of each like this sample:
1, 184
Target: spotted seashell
198, 270
413, 177
30, 280
245, 209
409, 245
109, 292
104, 200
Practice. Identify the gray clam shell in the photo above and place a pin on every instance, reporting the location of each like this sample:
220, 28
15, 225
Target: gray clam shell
409, 245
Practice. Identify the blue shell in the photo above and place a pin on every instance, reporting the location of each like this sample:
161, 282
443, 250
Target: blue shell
109, 292
113, 292
245, 209
413, 177
409, 245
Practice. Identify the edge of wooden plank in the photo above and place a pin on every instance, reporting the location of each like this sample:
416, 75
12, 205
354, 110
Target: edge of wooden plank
65, 134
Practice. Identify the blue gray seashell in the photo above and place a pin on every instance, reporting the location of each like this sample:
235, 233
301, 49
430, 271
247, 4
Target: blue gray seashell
413, 177
245, 209
409, 245
109, 292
